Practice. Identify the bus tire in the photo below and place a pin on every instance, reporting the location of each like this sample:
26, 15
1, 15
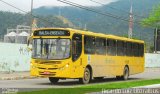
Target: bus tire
53, 80
125, 73
86, 77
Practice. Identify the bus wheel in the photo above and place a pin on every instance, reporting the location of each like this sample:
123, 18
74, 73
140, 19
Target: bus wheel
53, 80
86, 77
125, 74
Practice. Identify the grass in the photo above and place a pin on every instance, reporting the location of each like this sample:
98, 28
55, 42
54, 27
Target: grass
95, 87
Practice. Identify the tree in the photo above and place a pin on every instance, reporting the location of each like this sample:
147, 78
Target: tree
154, 18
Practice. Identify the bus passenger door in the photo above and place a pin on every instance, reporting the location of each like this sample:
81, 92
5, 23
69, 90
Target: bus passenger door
76, 54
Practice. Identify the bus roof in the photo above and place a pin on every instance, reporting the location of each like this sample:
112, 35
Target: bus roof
86, 32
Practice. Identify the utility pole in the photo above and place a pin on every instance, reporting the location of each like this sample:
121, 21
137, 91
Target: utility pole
130, 31
31, 15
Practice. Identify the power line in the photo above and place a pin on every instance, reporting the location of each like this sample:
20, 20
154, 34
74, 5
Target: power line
117, 9
13, 6
94, 10
27, 13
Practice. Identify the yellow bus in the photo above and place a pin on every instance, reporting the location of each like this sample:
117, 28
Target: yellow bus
65, 53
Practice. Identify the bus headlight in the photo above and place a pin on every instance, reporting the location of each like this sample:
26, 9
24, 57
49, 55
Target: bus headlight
32, 66
66, 66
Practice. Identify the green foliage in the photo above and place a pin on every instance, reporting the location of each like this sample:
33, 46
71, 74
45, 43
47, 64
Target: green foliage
154, 18
151, 50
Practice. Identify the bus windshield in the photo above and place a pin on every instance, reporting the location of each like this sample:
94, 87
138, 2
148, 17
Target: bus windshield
51, 48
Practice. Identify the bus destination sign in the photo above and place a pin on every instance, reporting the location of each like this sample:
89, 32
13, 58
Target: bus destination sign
52, 33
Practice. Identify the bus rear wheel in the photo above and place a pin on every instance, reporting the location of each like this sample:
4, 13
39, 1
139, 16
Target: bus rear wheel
125, 75
86, 77
53, 80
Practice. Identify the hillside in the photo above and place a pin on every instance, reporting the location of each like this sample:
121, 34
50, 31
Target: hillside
105, 24
75, 17
11, 20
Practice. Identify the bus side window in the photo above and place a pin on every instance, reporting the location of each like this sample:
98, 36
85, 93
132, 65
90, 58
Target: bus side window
101, 46
111, 47
89, 45
128, 49
76, 46
135, 49
141, 50
120, 48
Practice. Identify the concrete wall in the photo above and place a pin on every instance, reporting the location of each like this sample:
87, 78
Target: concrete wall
15, 57
152, 60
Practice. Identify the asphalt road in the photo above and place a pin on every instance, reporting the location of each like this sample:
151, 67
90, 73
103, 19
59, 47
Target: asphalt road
44, 82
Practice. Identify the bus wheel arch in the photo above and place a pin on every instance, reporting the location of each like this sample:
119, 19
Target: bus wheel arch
90, 68
87, 76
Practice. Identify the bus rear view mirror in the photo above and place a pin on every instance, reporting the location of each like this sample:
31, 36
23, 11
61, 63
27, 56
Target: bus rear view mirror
29, 48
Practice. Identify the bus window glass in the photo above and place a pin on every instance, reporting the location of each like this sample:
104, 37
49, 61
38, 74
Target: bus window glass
51, 48
76, 46
129, 49
141, 50
100, 46
111, 47
89, 45
120, 48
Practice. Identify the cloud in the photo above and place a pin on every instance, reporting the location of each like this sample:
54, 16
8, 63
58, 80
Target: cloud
26, 4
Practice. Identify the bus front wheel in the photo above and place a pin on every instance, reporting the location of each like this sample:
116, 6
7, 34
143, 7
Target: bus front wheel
86, 77
53, 80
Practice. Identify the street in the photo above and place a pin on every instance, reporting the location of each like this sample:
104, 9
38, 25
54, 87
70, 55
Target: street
150, 73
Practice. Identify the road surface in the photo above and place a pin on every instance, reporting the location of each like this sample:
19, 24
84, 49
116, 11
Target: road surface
44, 82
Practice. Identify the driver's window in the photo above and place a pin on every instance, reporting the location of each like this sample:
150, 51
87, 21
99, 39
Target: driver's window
76, 46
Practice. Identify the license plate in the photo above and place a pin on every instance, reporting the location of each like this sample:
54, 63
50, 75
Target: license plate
46, 72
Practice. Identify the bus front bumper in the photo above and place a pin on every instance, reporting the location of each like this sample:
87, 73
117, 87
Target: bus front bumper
63, 72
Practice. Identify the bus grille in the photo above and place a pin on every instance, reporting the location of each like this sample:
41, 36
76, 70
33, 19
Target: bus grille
49, 62
48, 68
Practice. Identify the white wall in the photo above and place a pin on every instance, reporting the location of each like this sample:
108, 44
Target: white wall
14, 57
152, 60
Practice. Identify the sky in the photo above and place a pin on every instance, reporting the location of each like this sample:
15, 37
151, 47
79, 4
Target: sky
26, 4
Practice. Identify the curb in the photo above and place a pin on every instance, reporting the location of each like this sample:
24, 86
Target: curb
17, 78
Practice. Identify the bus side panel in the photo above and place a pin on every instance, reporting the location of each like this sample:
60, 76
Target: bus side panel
99, 65
107, 65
